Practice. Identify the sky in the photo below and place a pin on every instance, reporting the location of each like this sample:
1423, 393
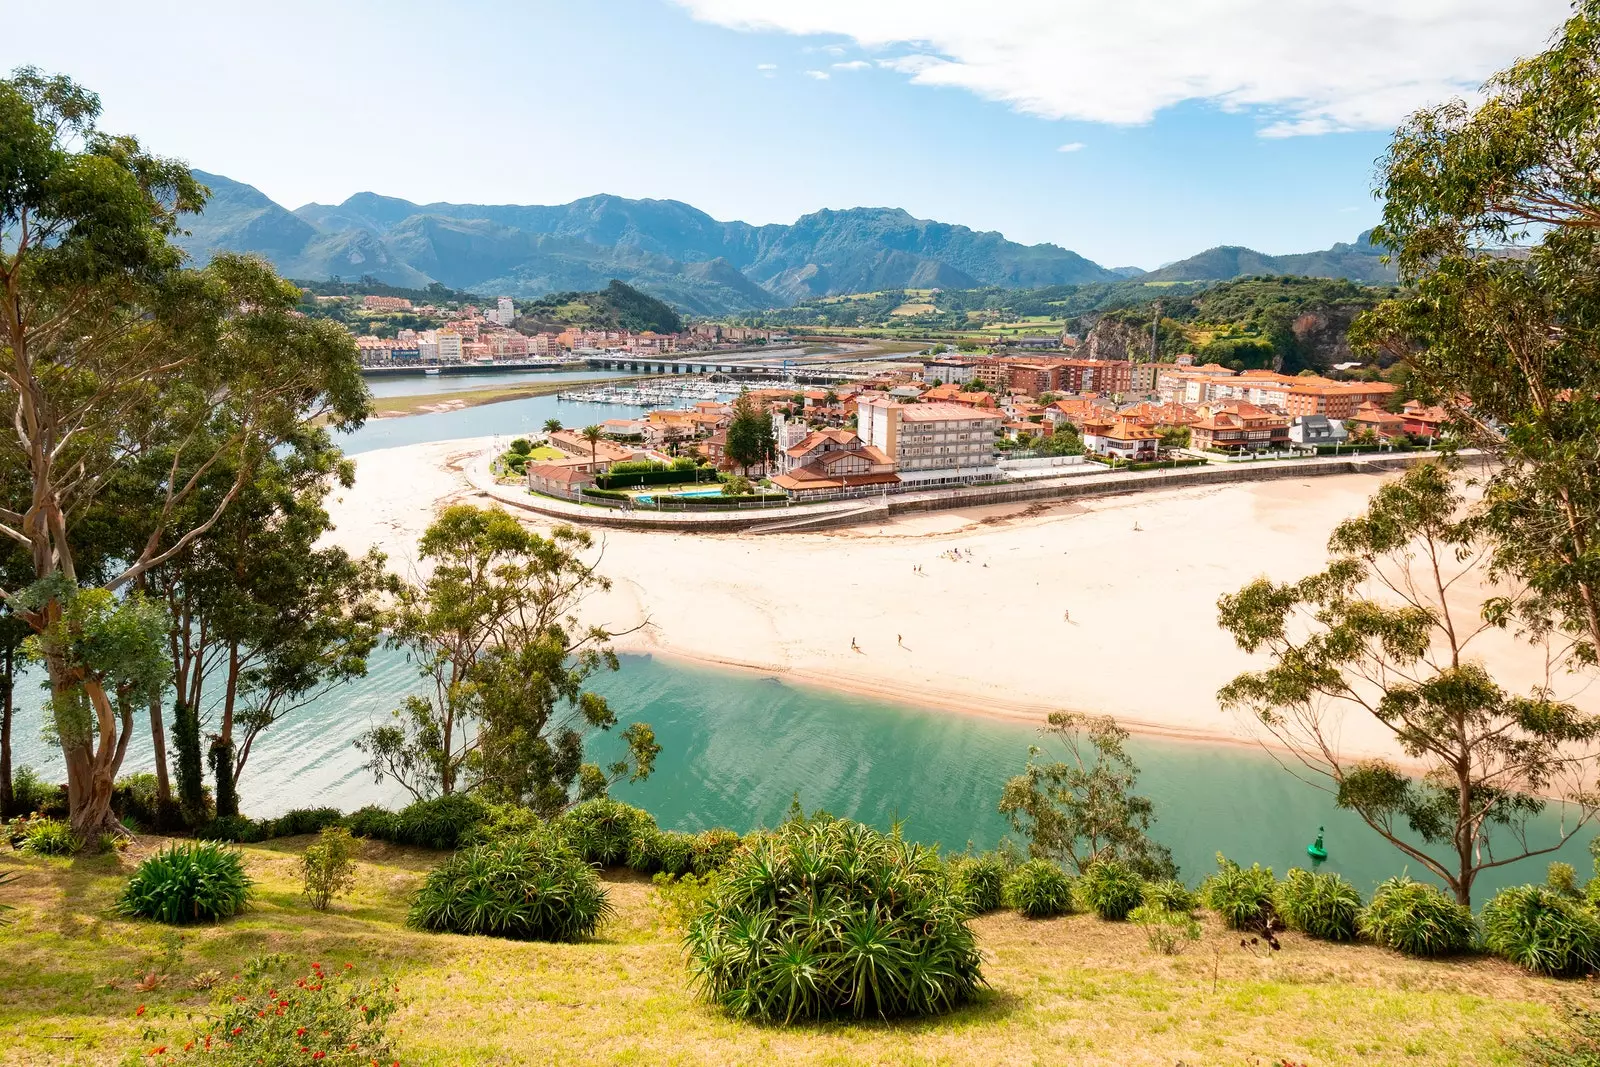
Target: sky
1134, 132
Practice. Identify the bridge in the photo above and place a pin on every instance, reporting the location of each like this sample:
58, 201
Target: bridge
700, 363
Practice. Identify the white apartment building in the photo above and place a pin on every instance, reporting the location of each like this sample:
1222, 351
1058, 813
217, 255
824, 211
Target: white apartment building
449, 346
944, 371
930, 442
505, 311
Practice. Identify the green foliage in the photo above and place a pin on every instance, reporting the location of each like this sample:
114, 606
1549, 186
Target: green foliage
187, 883
1110, 888
29, 791
1242, 896
1417, 919
750, 440
616, 307
1039, 889
1575, 1044
502, 821
1320, 905
1328, 637
521, 446
235, 829
827, 919
666, 852
440, 823
604, 831
1169, 894
45, 836
1084, 808
714, 849
683, 897
305, 821
981, 880
375, 822
493, 631
1166, 930
328, 866
1542, 930
529, 888
326, 1017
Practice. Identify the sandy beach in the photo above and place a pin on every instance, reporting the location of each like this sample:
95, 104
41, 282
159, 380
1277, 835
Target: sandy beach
1104, 606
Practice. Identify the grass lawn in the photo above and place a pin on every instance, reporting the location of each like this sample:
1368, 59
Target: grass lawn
541, 453
1073, 990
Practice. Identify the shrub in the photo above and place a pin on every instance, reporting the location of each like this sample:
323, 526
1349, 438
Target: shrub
980, 880
187, 883
1242, 896
1111, 889
328, 1017
381, 824
1169, 894
134, 800
1539, 929
45, 836
439, 823
713, 849
235, 829
329, 866
682, 897
833, 919
1417, 919
1165, 930
603, 830
504, 820
521, 446
1319, 905
666, 851
1039, 890
531, 888
30, 792
305, 821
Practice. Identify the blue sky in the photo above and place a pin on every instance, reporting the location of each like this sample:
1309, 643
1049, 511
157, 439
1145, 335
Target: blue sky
1253, 122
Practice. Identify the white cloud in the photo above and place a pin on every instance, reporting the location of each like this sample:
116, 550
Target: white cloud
1075, 146
820, 75
1305, 66
768, 70
854, 64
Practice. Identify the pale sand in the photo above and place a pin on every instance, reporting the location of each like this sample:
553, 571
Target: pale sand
984, 633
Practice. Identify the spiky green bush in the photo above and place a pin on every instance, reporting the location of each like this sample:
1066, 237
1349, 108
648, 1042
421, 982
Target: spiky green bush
1319, 905
380, 824
440, 823
1241, 895
1039, 890
713, 849
504, 820
1417, 919
1169, 894
1110, 889
530, 888
833, 919
603, 830
981, 880
1542, 930
194, 882
1165, 930
662, 852
45, 836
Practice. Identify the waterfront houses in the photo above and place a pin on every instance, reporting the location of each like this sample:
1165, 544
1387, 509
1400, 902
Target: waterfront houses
1239, 426
931, 443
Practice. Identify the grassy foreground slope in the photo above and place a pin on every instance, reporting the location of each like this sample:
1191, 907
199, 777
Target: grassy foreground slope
1074, 990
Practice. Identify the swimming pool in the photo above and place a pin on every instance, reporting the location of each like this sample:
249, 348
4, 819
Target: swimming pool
647, 499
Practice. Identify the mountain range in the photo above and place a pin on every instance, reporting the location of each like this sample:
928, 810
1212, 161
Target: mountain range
672, 250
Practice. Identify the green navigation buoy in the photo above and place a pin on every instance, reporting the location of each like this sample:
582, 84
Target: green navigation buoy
1316, 851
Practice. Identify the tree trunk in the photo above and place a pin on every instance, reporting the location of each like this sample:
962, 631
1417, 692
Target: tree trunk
8, 799
222, 745
158, 744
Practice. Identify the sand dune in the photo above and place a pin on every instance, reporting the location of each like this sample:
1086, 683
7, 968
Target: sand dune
1105, 606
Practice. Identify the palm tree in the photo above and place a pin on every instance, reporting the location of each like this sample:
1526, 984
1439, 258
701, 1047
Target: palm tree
592, 434
552, 425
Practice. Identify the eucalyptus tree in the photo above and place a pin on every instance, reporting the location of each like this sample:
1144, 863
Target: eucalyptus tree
111, 348
494, 632
1083, 808
1389, 634
1492, 213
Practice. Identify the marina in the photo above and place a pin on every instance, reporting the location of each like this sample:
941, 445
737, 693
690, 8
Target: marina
653, 394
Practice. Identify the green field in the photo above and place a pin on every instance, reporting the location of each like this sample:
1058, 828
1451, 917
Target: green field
1074, 990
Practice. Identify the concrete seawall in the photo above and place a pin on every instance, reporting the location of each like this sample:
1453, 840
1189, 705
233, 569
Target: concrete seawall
803, 517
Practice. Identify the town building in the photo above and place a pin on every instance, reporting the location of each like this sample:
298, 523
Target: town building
385, 303
1314, 430
948, 371
1375, 420
449, 345
1239, 426
1122, 440
930, 443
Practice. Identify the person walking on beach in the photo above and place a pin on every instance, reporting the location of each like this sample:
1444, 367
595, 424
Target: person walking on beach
900, 640
1066, 616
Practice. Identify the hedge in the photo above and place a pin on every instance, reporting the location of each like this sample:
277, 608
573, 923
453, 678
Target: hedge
1148, 465
666, 477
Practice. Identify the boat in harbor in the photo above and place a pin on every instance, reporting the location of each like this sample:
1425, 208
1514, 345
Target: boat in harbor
432, 372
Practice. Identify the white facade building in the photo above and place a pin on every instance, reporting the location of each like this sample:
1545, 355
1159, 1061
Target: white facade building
931, 442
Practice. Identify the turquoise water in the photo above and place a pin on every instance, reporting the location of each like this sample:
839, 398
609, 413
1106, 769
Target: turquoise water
646, 498
736, 747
